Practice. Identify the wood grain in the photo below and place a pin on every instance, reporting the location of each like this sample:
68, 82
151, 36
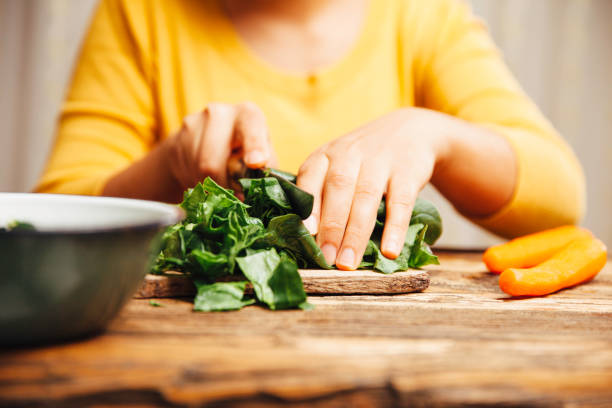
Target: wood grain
460, 342
316, 282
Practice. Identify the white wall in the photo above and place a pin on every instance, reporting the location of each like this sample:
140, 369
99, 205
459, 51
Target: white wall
39, 40
561, 52
559, 49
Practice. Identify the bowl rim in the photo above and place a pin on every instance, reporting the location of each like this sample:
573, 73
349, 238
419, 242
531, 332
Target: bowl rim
173, 215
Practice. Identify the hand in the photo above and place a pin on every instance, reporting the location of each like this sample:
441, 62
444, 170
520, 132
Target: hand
348, 177
207, 139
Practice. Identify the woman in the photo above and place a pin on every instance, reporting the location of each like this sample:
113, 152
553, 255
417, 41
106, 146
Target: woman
367, 96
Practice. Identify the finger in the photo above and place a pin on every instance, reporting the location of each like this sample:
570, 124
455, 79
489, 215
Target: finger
311, 177
215, 147
273, 162
192, 129
338, 190
185, 149
362, 217
404, 186
252, 135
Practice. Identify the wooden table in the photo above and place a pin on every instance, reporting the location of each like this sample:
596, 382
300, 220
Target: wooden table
462, 341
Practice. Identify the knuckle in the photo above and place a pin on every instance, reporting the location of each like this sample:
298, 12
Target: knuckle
402, 201
189, 124
211, 109
340, 181
403, 206
337, 152
250, 108
332, 227
356, 242
216, 109
368, 193
303, 174
306, 167
399, 218
207, 168
257, 137
346, 147
396, 228
356, 233
353, 149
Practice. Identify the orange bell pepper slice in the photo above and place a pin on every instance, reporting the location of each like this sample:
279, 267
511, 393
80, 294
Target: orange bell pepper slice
532, 249
578, 262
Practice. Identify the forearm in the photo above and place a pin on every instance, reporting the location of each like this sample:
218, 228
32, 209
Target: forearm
477, 169
149, 178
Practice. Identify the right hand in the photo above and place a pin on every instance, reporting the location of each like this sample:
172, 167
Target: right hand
207, 139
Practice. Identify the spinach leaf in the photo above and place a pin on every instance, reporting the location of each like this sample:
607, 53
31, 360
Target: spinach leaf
265, 197
282, 174
414, 254
423, 212
220, 296
207, 200
241, 234
427, 214
301, 201
211, 265
275, 278
287, 232
420, 253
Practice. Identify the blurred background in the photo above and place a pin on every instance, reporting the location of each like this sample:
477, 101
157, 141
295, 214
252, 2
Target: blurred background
559, 50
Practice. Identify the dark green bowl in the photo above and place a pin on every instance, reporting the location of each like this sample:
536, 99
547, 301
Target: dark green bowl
71, 276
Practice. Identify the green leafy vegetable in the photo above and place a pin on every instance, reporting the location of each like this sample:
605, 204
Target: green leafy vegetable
301, 201
289, 233
275, 278
218, 233
266, 198
155, 304
423, 212
262, 241
220, 296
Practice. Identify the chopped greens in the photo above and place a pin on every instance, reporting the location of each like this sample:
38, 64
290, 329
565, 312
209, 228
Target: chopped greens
225, 244
220, 296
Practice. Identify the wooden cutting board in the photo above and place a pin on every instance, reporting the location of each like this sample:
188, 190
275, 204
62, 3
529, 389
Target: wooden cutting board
316, 281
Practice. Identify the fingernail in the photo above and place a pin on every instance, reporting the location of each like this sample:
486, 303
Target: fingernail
311, 225
392, 247
346, 258
329, 252
254, 157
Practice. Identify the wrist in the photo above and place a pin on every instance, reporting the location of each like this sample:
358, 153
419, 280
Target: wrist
447, 135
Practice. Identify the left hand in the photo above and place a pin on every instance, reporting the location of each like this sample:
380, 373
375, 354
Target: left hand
348, 177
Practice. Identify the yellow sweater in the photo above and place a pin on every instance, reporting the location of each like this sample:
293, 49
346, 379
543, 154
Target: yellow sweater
145, 65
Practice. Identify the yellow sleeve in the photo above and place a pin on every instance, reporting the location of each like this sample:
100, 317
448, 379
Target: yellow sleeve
459, 71
107, 119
